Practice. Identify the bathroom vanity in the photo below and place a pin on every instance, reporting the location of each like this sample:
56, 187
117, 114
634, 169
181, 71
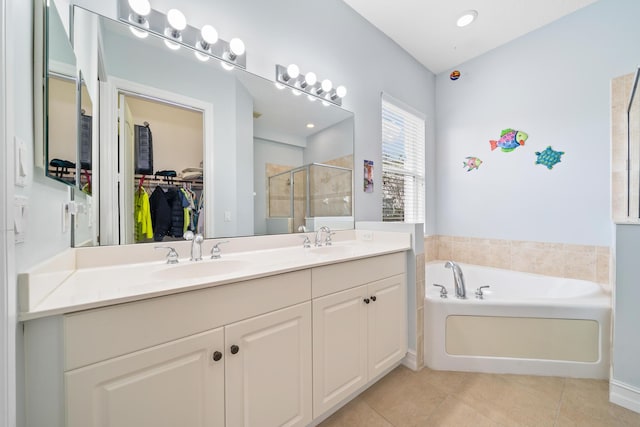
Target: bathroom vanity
277, 336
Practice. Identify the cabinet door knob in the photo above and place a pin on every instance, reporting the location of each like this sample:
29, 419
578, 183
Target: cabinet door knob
235, 349
373, 298
217, 356
366, 300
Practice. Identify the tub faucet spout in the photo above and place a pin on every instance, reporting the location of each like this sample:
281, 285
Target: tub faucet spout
458, 279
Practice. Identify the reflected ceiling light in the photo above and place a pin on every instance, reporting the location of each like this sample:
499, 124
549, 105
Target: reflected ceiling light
139, 10
227, 66
467, 18
173, 28
291, 76
310, 125
296, 92
280, 86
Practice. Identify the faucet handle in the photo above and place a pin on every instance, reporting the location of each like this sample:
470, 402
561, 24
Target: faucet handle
306, 243
215, 250
172, 255
479, 293
443, 290
327, 240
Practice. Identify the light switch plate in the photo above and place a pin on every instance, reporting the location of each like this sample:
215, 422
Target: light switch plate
20, 166
20, 215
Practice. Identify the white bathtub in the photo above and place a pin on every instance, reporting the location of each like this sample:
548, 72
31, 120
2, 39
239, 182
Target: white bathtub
526, 324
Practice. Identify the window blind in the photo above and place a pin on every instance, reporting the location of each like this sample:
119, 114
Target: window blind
403, 139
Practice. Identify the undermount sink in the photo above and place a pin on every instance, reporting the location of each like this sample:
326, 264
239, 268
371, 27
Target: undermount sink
332, 250
206, 268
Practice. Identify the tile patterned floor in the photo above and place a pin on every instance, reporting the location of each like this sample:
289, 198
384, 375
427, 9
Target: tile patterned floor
460, 399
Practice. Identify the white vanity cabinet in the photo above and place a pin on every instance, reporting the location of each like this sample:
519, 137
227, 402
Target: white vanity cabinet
358, 333
279, 350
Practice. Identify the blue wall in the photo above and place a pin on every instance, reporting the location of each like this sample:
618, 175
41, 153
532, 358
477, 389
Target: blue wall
553, 84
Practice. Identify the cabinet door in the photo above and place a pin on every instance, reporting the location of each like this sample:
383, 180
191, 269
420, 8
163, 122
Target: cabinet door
339, 347
174, 384
268, 369
387, 314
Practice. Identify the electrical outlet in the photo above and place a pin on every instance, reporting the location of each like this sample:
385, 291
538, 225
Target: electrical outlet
227, 216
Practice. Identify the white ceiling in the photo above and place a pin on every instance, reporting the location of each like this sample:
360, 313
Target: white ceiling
427, 28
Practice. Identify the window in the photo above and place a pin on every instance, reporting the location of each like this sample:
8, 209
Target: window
403, 139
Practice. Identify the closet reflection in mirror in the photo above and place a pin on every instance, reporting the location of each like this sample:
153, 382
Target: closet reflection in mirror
250, 131
61, 97
165, 144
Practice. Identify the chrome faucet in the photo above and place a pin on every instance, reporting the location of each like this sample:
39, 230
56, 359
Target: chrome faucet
327, 230
196, 244
458, 279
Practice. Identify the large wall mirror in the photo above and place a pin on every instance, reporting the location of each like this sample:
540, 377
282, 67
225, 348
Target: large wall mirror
239, 155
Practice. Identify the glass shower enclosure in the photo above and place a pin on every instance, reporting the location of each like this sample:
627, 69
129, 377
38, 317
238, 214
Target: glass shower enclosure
312, 195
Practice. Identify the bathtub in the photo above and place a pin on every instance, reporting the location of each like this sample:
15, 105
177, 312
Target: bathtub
525, 324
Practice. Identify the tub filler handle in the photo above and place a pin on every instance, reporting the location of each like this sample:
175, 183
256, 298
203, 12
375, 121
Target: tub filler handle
443, 290
479, 293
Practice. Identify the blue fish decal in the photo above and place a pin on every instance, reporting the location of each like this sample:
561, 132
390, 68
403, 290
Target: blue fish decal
510, 139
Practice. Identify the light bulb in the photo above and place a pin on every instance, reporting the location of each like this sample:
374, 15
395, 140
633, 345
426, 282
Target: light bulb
293, 71
326, 85
310, 78
209, 35
176, 19
140, 7
236, 46
341, 91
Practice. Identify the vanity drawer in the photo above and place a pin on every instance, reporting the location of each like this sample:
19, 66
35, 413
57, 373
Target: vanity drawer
95, 335
345, 275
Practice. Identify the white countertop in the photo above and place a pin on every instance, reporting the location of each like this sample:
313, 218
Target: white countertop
64, 286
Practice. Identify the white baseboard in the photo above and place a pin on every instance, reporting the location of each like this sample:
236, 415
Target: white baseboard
624, 395
410, 360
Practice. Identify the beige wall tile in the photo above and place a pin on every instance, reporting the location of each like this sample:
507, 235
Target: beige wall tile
551, 259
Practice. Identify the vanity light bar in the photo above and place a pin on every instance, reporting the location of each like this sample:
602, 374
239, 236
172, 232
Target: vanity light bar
232, 53
309, 84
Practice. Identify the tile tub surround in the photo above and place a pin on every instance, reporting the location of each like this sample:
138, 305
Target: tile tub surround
447, 398
550, 259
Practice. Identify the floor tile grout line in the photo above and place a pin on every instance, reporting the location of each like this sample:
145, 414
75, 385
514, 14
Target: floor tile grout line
381, 416
560, 402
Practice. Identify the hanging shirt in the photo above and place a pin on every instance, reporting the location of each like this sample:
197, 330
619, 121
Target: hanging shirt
142, 216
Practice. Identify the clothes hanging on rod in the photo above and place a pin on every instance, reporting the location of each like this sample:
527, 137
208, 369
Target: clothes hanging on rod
142, 214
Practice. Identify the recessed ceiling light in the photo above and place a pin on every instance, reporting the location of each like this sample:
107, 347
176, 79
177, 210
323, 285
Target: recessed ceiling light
467, 18
310, 125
